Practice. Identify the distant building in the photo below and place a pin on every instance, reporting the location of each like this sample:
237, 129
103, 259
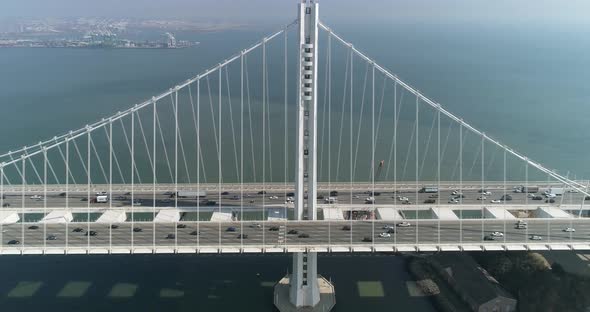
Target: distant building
475, 285
171, 42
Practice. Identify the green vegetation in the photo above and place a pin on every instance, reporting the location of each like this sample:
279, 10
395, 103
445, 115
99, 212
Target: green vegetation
537, 286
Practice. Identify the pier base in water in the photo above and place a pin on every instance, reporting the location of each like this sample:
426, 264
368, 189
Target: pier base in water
304, 289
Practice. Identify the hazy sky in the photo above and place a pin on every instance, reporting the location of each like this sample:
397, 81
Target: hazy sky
508, 11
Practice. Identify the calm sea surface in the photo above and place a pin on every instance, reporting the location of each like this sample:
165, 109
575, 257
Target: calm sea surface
525, 85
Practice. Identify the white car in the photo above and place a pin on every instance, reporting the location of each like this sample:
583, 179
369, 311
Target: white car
290, 199
384, 235
388, 226
273, 197
456, 193
356, 197
496, 201
482, 198
531, 195
569, 229
403, 198
404, 224
370, 200
497, 234
486, 193
101, 193
453, 201
37, 197
536, 237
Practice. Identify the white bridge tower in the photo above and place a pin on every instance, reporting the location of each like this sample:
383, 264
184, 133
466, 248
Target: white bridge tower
304, 284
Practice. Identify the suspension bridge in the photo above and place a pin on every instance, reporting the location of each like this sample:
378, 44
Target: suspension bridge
300, 145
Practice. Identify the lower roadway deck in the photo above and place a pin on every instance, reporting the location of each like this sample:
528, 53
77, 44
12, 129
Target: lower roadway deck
363, 235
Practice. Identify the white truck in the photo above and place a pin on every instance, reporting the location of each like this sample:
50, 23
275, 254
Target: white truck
102, 199
557, 191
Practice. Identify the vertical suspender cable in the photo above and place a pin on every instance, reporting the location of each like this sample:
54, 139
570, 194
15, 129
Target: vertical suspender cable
482, 185
154, 178
286, 94
44, 198
110, 181
198, 160
24, 179
242, 147
88, 188
263, 127
461, 181
176, 166
67, 165
351, 134
438, 171
219, 155
373, 152
132, 149
417, 160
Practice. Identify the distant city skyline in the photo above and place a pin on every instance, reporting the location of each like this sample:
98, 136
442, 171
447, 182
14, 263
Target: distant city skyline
265, 11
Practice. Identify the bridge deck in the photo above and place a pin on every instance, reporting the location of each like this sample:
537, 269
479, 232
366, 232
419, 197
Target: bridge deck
363, 236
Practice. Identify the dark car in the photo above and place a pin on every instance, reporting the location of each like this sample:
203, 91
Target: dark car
114, 226
346, 228
181, 226
195, 233
489, 238
127, 193
77, 230
334, 193
367, 239
506, 197
62, 194
320, 197
51, 237
292, 232
210, 203
137, 229
243, 236
91, 233
84, 199
225, 193
6, 205
14, 242
231, 229
537, 197
587, 198
273, 228
262, 193
550, 200
170, 236
33, 227
433, 196
303, 235
290, 194
390, 231
430, 201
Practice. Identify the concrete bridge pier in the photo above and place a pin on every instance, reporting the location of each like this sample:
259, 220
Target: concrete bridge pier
304, 289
